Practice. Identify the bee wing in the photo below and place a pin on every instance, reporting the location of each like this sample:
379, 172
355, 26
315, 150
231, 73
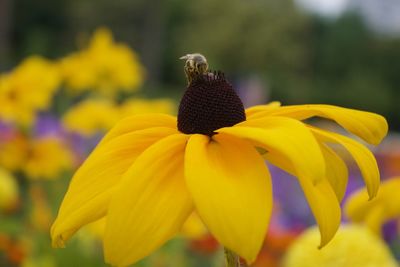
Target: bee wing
184, 57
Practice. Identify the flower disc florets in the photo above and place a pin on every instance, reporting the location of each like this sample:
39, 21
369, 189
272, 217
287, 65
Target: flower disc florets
208, 104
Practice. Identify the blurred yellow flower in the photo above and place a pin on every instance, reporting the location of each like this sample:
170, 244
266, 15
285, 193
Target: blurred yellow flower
103, 66
374, 213
13, 152
47, 158
78, 72
44, 157
9, 192
27, 89
352, 246
137, 106
91, 116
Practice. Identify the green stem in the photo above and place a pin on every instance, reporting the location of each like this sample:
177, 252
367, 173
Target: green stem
231, 259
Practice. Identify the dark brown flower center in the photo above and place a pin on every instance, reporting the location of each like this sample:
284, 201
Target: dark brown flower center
208, 104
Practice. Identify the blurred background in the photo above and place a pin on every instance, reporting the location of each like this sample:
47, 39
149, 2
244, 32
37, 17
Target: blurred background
71, 68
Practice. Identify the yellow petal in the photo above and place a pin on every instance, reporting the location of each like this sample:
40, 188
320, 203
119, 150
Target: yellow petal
322, 199
336, 171
375, 212
358, 209
325, 207
231, 188
66, 226
90, 189
292, 147
375, 219
252, 111
150, 204
140, 122
357, 205
362, 156
286, 141
369, 126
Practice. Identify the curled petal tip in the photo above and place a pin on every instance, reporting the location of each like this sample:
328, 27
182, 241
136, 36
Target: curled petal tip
58, 242
322, 244
373, 195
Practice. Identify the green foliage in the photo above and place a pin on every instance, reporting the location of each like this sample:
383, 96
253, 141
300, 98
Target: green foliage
354, 68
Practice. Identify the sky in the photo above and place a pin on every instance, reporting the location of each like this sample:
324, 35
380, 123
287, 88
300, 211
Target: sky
324, 7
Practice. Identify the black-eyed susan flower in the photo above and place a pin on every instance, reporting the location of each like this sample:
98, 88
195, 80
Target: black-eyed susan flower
150, 172
352, 246
375, 213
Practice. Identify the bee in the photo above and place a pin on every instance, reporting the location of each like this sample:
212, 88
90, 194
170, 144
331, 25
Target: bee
195, 65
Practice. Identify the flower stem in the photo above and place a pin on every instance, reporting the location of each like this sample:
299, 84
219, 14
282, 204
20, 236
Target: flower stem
231, 259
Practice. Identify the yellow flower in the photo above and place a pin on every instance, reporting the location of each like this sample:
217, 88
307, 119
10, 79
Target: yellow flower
98, 115
91, 116
150, 172
13, 152
47, 158
9, 192
136, 106
78, 72
28, 89
352, 246
104, 66
374, 213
